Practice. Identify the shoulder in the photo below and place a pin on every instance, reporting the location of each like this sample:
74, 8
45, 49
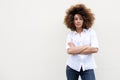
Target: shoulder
71, 33
91, 30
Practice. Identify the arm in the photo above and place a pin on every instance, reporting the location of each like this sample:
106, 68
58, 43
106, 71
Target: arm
89, 50
81, 49
75, 50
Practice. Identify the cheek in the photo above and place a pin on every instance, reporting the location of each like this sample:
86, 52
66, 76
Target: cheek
75, 22
81, 21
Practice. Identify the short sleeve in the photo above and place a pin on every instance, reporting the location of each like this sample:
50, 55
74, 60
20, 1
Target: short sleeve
94, 40
68, 39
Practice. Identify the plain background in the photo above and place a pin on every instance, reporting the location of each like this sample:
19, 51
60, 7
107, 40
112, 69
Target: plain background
33, 34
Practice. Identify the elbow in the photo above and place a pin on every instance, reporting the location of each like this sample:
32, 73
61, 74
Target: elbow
70, 51
95, 50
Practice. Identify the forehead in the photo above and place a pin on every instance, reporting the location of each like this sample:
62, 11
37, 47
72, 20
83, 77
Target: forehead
78, 15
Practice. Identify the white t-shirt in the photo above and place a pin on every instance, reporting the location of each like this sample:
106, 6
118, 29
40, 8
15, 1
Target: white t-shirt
87, 37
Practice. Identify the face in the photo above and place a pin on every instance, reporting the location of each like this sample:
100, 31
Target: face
78, 21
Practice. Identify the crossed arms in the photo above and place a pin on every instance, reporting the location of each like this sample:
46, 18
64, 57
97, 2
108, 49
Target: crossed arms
81, 49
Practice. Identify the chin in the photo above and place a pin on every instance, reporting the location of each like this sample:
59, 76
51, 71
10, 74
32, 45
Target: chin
79, 27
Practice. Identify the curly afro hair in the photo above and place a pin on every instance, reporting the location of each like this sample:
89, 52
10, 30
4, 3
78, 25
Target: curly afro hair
85, 12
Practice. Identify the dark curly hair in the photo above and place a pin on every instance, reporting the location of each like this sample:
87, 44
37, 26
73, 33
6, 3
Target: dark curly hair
81, 9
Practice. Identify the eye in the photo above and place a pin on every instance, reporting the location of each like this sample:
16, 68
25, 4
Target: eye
81, 18
75, 18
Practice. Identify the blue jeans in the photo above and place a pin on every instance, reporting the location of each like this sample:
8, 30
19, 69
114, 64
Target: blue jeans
74, 75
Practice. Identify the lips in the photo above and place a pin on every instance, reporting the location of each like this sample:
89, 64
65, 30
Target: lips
78, 24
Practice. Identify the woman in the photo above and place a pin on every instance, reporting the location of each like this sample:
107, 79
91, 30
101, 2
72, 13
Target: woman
81, 43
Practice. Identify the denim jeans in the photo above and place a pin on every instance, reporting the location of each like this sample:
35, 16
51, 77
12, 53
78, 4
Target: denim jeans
74, 75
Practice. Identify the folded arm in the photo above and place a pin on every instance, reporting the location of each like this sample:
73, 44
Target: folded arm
81, 49
89, 50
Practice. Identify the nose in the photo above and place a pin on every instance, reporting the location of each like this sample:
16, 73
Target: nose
78, 20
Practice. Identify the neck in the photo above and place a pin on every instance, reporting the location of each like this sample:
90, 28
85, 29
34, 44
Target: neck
79, 30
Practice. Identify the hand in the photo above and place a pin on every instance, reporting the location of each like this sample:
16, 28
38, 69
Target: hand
71, 44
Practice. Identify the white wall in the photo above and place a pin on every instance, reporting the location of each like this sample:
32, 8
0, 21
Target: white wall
32, 39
